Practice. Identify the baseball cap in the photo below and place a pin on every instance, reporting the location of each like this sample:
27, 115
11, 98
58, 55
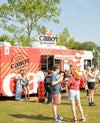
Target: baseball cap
71, 65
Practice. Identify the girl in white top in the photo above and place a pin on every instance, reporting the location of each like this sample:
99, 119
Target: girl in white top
91, 85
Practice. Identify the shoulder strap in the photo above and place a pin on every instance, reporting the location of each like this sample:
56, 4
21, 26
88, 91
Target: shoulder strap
72, 85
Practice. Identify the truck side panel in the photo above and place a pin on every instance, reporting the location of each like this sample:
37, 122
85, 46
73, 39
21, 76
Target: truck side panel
19, 58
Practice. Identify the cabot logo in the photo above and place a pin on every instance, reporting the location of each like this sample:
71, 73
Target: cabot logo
19, 61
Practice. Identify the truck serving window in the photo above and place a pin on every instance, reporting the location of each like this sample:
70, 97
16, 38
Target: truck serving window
87, 63
47, 62
44, 63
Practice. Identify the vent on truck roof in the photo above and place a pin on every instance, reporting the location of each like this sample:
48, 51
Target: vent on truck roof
5, 44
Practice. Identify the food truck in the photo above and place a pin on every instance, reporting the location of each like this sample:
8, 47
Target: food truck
35, 60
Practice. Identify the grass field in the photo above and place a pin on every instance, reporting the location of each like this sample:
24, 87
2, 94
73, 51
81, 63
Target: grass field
33, 112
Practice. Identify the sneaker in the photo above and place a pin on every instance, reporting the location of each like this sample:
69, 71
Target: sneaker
21, 100
57, 120
93, 104
60, 118
74, 120
90, 104
83, 119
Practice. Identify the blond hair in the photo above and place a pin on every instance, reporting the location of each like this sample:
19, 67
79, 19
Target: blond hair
75, 74
88, 69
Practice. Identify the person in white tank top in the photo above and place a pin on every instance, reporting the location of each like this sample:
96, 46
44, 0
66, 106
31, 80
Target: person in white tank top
91, 84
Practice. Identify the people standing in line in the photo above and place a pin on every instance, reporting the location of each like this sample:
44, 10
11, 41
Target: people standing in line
91, 84
25, 86
56, 91
48, 87
19, 80
74, 94
66, 78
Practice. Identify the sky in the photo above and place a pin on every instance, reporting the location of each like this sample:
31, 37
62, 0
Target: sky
81, 17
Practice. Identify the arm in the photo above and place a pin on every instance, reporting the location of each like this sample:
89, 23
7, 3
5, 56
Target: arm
17, 77
90, 75
68, 84
66, 80
58, 81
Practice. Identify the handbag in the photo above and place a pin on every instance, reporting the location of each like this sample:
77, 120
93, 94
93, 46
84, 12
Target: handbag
72, 85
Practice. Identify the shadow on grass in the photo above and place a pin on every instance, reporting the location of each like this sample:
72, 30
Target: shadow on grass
37, 117
7, 98
96, 94
65, 103
3, 98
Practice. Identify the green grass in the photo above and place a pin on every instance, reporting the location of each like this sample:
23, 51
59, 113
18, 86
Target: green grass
33, 112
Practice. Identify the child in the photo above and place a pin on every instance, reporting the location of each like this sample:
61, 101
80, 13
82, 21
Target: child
26, 86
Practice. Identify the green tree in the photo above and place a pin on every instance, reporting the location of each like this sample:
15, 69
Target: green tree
70, 44
77, 46
88, 46
26, 16
5, 38
63, 37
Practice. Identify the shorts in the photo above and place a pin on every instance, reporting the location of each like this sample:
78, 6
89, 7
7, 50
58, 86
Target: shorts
91, 85
26, 84
56, 98
73, 95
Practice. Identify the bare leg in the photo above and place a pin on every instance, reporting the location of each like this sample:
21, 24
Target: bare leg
73, 108
25, 93
55, 110
80, 108
92, 94
95, 87
28, 92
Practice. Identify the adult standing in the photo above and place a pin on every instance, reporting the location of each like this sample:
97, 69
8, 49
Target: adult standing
56, 91
19, 80
91, 84
74, 94
48, 87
